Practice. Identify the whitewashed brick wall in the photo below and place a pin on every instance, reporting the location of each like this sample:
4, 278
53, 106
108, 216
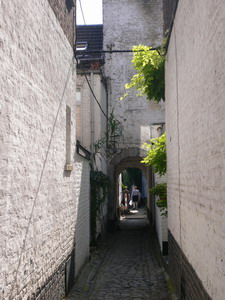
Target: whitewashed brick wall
195, 110
161, 222
94, 121
82, 226
128, 23
39, 202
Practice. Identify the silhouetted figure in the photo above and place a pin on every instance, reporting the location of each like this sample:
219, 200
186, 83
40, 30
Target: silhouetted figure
135, 196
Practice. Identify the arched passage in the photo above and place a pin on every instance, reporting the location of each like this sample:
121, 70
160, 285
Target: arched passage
127, 158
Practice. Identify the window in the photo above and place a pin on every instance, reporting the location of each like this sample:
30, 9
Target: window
81, 46
68, 165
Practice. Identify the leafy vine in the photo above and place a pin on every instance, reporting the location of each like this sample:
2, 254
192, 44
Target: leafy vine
156, 158
150, 76
99, 187
99, 181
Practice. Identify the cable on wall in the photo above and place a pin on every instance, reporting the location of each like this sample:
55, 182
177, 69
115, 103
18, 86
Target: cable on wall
14, 285
93, 93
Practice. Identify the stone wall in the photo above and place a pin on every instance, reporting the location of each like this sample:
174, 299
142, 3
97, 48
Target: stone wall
195, 109
65, 13
187, 282
40, 203
93, 122
128, 23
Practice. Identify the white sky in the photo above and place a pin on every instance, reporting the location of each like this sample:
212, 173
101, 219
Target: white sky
92, 10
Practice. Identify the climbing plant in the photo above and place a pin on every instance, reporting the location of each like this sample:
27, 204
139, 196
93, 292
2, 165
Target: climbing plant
99, 188
160, 190
150, 78
107, 145
156, 158
114, 131
98, 180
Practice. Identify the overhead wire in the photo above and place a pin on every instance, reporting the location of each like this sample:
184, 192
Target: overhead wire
90, 87
101, 51
114, 51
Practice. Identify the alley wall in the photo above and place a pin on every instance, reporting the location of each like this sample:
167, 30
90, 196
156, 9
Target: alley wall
128, 23
195, 124
93, 124
40, 202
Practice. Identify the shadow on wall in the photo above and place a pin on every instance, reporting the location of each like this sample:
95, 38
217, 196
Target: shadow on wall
80, 252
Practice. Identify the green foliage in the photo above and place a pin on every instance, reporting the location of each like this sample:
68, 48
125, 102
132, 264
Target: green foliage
99, 188
160, 190
124, 186
99, 181
150, 76
156, 156
108, 144
131, 176
115, 128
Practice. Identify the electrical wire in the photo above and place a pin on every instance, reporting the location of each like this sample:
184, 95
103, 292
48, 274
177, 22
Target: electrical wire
40, 178
82, 12
93, 93
113, 51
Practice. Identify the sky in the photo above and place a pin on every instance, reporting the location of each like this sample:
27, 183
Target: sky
92, 10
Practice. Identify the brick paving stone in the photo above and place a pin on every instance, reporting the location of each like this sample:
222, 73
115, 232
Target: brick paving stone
124, 267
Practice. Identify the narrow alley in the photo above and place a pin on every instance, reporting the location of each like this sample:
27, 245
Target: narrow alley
112, 110
125, 266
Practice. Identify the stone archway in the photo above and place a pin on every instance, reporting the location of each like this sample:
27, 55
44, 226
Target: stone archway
129, 157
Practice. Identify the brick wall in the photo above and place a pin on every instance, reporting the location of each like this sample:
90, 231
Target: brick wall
93, 121
195, 110
65, 13
39, 201
128, 23
187, 282
82, 227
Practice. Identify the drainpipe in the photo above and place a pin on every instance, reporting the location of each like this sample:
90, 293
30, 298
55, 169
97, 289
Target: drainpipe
92, 112
105, 82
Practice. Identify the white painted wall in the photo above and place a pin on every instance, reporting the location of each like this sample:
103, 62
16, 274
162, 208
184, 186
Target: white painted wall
93, 123
195, 110
128, 23
40, 203
161, 222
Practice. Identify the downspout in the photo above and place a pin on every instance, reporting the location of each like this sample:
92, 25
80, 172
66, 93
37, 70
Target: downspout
104, 80
92, 122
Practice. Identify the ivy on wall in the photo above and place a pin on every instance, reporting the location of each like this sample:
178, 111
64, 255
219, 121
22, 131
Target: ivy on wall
156, 158
99, 181
99, 188
150, 76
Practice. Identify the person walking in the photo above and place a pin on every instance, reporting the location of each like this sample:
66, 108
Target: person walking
135, 196
126, 198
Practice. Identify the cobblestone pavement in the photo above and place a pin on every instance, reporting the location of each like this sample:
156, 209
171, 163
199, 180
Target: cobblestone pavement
124, 267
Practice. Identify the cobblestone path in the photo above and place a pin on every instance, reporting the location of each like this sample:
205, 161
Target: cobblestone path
125, 267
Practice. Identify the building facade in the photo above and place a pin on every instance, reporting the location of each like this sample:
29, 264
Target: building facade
92, 108
195, 109
128, 23
44, 197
